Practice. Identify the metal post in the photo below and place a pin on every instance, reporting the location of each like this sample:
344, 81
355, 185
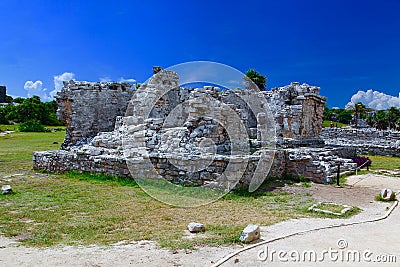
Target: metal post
338, 175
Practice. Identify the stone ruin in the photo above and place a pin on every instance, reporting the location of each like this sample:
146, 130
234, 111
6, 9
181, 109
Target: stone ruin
87, 109
365, 140
99, 121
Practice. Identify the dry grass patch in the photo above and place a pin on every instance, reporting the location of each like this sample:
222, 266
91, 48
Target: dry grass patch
82, 209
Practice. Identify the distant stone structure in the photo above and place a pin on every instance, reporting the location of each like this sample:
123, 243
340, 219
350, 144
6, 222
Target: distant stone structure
365, 140
99, 119
3, 94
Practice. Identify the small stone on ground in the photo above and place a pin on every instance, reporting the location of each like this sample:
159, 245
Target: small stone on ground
250, 233
194, 227
387, 194
6, 189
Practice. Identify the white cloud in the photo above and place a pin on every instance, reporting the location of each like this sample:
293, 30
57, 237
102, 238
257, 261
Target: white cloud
105, 79
36, 88
58, 82
376, 100
129, 80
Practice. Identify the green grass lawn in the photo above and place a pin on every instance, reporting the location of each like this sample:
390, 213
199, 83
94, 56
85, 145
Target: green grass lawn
83, 209
384, 163
328, 124
8, 127
16, 148
14, 127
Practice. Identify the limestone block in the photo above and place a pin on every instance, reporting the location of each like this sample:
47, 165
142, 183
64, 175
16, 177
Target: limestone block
387, 194
195, 227
250, 233
6, 189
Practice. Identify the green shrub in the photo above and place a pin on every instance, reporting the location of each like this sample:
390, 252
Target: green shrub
379, 198
31, 126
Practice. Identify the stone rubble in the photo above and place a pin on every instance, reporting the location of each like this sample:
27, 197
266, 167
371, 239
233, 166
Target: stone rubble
250, 233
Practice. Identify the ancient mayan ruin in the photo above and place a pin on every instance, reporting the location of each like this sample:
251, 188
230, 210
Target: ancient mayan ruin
103, 136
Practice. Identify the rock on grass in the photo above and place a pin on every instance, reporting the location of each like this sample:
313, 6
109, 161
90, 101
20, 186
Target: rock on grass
194, 227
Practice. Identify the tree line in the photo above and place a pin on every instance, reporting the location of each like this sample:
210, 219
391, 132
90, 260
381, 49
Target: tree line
29, 110
380, 119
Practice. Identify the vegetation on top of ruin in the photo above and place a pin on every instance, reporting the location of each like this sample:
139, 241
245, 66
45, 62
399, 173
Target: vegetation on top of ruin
259, 79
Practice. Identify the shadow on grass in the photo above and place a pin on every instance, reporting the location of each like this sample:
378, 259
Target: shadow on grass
100, 177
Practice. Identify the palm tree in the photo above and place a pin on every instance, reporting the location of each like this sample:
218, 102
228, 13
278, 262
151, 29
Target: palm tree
370, 120
381, 122
359, 110
392, 115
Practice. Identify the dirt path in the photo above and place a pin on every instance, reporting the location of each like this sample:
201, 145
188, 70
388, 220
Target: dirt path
142, 253
381, 238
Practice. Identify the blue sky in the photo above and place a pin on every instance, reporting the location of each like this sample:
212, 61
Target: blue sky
341, 46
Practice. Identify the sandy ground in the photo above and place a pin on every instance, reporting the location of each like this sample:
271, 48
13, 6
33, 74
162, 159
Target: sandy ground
380, 238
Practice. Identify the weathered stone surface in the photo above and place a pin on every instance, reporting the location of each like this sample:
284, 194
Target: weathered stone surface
250, 233
387, 194
298, 110
365, 140
195, 227
178, 138
87, 108
6, 189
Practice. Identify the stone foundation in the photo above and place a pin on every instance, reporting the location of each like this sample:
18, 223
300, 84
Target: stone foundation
319, 165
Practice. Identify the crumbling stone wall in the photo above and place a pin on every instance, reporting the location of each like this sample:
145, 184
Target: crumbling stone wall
89, 108
96, 129
316, 164
298, 110
365, 140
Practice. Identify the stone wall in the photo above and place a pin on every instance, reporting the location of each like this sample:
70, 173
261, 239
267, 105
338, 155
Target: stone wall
318, 164
97, 133
298, 110
3, 94
365, 140
89, 108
